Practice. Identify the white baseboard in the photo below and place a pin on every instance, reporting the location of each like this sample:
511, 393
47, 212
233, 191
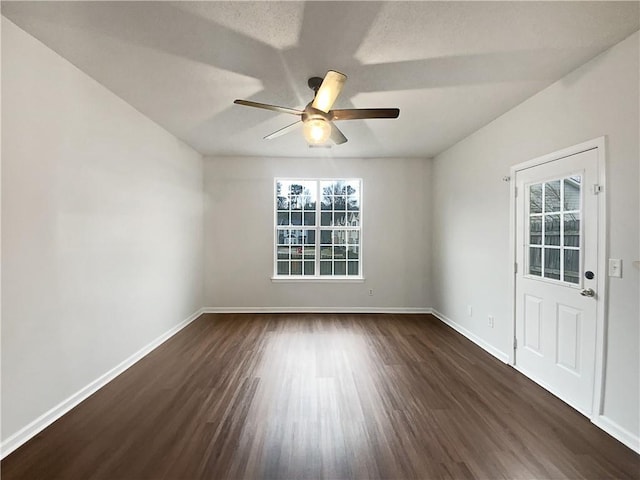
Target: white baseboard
47, 418
500, 355
619, 433
405, 310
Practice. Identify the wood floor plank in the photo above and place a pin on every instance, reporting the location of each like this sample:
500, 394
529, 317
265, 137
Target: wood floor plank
336, 396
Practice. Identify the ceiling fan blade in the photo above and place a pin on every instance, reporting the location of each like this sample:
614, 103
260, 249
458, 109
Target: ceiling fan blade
363, 113
282, 131
329, 90
275, 108
337, 136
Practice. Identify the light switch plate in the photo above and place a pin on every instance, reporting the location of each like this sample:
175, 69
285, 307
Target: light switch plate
615, 267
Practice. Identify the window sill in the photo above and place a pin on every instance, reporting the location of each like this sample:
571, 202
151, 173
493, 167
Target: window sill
324, 279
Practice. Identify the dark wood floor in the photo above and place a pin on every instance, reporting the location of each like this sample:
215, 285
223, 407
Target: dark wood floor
320, 396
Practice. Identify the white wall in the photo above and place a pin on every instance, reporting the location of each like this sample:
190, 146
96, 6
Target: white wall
471, 211
101, 230
239, 234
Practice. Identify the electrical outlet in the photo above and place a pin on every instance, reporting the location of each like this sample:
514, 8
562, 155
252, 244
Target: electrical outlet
371, 292
490, 322
469, 310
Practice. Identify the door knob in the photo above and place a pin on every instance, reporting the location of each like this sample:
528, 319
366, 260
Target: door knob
587, 292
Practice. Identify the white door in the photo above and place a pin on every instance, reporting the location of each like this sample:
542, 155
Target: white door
556, 279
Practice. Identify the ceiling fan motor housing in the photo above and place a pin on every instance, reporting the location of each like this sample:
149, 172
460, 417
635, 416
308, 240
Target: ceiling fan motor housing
311, 113
314, 83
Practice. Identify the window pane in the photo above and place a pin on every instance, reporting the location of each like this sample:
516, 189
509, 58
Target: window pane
326, 190
283, 203
286, 237
340, 268
309, 203
552, 196
352, 188
297, 237
309, 218
340, 219
535, 261
289, 238
352, 268
309, 253
326, 252
552, 229
327, 187
552, 263
295, 202
353, 237
353, 219
325, 268
535, 230
353, 203
296, 268
572, 193
301, 191
296, 253
339, 252
283, 218
283, 268
352, 252
296, 218
325, 219
572, 229
340, 202
310, 238
309, 194
283, 253
572, 266
535, 198
309, 268
325, 237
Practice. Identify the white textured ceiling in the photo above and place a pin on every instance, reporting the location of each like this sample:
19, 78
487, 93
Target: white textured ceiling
451, 67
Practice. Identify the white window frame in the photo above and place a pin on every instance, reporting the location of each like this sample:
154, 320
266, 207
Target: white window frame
316, 277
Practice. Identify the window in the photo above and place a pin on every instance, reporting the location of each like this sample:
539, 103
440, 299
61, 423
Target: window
554, 229
318, 228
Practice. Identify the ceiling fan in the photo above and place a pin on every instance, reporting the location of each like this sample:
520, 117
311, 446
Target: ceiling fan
317, 117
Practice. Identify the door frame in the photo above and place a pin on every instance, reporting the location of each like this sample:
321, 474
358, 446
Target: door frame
599, 144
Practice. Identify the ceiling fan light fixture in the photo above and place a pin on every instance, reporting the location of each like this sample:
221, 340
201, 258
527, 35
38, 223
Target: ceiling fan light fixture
316, 131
